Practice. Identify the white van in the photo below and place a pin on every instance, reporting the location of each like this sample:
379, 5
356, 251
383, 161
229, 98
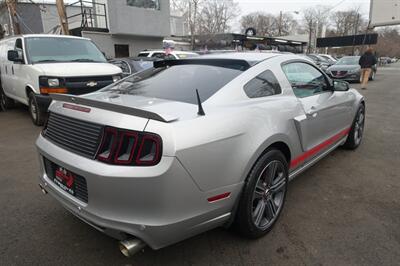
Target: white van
34, 66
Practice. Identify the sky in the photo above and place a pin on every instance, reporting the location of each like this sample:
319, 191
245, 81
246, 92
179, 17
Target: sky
292, 6
275, 6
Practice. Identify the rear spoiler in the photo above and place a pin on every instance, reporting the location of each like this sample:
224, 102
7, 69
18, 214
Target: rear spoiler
112, 107
237, 64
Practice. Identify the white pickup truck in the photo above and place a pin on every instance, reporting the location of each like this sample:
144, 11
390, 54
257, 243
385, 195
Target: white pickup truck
34, 66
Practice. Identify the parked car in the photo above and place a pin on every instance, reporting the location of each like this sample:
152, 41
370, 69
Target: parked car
319, 61
163, 55
131, 65
347, 68
36, 66
162, 155
332, 60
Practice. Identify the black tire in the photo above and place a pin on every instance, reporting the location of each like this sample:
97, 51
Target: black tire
246, 220
5, 102
38, 116
357, 129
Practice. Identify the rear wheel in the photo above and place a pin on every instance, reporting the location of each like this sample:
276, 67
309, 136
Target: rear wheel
37, 115
5, 102
357, 130
263, 195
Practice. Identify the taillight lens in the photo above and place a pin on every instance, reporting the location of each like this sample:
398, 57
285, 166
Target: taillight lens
126, 147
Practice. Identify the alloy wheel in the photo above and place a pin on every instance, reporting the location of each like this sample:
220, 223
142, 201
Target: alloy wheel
269, 195
359, 127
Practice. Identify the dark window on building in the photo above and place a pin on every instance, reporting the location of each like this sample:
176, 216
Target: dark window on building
121, 50
151, 4
263, 85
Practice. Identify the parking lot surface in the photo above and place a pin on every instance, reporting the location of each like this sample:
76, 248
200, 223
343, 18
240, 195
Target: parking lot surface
343, 211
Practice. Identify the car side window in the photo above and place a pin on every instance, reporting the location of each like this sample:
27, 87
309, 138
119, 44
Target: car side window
265, 84
305, 79
159, 55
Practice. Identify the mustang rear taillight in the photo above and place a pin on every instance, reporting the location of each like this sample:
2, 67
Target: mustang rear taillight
126, 147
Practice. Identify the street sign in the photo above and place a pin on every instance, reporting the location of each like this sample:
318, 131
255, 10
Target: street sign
352, 40
384, 13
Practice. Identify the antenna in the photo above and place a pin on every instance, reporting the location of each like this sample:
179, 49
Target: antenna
201, 111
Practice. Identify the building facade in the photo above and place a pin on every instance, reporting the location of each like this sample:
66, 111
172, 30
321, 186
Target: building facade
120, 28
131, 26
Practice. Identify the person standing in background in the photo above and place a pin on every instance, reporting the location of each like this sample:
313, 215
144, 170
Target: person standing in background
367, 60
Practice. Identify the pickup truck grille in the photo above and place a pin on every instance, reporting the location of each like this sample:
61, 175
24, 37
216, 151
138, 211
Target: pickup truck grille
82, 85
75, 135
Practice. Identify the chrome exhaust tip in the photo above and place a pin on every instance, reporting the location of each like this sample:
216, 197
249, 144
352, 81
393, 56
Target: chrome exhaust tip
44, 191
130, 247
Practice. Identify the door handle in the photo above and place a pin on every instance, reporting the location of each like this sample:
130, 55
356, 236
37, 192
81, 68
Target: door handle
12, 70
313, 112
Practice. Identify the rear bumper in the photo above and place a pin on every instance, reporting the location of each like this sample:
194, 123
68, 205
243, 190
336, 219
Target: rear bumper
160, 205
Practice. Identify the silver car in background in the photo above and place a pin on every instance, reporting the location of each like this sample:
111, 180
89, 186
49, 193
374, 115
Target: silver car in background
348, 69
194, 144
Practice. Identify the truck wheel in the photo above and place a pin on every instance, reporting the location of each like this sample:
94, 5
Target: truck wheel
37, 115
5, 102
263, 195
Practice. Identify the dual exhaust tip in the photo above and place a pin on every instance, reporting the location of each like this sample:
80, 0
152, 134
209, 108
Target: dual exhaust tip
128, 247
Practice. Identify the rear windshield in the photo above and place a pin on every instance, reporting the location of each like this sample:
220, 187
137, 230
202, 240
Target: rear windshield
177, 83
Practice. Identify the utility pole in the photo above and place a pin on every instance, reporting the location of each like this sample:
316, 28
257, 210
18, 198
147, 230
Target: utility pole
12, 11
280, 24
63, 17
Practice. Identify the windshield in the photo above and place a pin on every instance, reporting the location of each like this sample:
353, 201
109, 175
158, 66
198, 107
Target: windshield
141, 65
50, 49
177, 83
353, 60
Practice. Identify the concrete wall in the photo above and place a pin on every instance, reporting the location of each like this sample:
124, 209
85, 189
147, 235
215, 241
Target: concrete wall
50, 17
129, 20
106, 42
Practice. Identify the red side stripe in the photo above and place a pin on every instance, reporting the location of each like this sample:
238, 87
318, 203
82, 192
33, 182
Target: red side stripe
310, 153
219, 197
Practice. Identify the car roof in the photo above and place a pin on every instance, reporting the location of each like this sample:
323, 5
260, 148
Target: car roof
250, 57
137, 58
163, 51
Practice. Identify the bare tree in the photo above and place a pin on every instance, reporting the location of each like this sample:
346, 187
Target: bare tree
261, 21
269, 25
189, 10
215, 16
315, 19
348, 22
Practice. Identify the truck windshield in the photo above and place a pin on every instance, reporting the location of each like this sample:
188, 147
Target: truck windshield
49, 49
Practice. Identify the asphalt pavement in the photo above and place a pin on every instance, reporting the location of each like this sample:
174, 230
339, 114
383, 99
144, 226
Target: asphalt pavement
343, 211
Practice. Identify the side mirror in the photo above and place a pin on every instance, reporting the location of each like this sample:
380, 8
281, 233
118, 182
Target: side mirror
15, 56
340, 85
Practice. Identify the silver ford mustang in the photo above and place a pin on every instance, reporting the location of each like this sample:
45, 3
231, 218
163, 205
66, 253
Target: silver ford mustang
190, 145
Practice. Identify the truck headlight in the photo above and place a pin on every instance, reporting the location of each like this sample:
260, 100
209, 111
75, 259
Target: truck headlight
116, 78
49, 85
53, 82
